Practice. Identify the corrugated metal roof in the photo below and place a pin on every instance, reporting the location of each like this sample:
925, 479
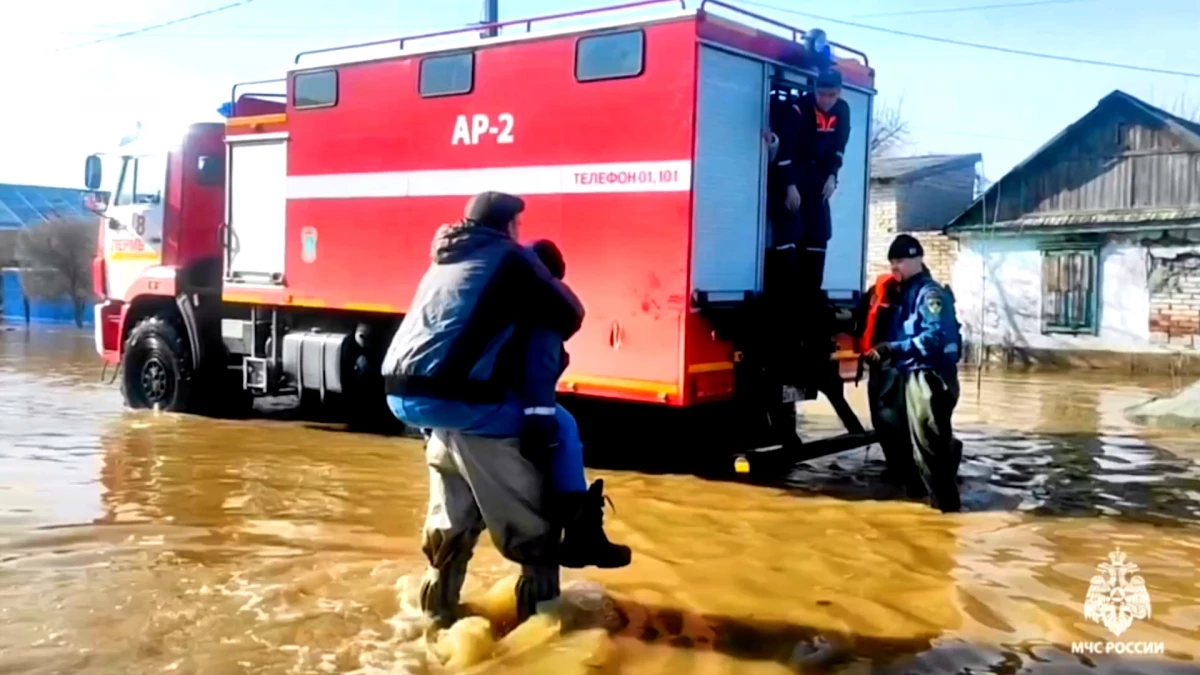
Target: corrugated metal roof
908, 168
26, 205
1123, 220
1188, 132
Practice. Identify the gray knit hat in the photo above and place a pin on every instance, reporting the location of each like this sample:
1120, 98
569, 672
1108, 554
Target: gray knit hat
493, 209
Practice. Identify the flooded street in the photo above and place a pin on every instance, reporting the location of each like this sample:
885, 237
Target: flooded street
143, 543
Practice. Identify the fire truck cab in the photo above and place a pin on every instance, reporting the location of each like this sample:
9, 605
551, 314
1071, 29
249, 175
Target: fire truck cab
286, 243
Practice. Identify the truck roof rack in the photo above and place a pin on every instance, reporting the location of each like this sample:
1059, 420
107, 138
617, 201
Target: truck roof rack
485, 26
233, 93
797, 33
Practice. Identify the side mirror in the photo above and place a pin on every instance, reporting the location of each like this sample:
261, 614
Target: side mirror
92, 172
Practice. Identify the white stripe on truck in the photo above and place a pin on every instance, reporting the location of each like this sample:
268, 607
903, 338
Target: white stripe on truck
666, 176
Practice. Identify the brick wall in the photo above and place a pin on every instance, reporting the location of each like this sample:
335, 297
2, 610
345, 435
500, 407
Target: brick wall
940, 250
1175, 302
880, 230
940, 253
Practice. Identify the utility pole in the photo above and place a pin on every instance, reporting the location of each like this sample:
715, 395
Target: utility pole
491, 14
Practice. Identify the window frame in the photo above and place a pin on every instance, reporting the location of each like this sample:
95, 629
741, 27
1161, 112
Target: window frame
337, 89
1049, 323
640, 32
443, 94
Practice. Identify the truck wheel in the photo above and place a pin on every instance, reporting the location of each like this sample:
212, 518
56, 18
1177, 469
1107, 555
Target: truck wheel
157, 368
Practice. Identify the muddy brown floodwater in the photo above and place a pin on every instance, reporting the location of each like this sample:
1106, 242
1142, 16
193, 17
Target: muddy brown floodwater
145, 543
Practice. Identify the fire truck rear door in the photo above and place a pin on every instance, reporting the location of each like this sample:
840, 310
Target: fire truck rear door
257, 208
845, 256
728, 210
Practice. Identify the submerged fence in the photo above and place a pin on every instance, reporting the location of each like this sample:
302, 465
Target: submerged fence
15, 307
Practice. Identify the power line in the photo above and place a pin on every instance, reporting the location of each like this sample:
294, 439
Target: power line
156, 26
256, 36
972, 8
975, 45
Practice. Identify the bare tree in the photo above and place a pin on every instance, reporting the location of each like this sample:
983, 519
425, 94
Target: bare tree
889, 130
1185, 108
56, 262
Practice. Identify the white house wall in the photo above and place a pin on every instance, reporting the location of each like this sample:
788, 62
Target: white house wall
1010, 271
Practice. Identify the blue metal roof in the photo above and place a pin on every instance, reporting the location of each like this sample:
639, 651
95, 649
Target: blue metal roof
26, 205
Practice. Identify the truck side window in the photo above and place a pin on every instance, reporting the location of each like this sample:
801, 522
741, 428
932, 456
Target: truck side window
449, 75
610, 56
317, 89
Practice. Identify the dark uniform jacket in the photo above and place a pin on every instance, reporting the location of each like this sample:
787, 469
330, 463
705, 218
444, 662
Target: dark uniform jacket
812, 145
483, 288
924, 333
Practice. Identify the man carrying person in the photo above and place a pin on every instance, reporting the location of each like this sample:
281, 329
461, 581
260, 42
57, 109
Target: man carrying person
454, 371
922, 343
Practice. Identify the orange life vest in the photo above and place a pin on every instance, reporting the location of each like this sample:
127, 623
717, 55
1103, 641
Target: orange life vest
885, 284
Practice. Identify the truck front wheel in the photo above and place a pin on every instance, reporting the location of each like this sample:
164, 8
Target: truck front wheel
157, 368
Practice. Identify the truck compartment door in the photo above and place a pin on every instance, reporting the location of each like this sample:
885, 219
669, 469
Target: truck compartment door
729, 185
256, 199
845, 255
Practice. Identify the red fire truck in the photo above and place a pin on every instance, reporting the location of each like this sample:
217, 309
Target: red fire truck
281, 253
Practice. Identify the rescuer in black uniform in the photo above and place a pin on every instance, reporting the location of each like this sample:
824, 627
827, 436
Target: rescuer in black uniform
812, 134
807, 140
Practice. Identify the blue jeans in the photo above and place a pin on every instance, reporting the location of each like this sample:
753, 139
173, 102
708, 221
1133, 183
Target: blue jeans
498, 420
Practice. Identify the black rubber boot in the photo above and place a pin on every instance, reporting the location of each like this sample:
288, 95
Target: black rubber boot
584, 542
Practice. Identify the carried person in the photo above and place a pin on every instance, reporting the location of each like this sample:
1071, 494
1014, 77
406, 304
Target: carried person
547, 424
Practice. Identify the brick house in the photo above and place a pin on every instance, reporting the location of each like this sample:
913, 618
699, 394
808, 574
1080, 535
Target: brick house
1088, 251
918, 195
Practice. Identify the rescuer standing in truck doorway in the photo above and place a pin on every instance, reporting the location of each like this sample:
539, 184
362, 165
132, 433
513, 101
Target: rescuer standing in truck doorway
446, 373
923, 343
812, 142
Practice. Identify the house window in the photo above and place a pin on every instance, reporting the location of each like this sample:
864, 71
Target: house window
610, 56
318, 89
1070, 281
448, 75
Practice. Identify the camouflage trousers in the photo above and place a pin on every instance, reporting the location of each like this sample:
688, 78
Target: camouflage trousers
912, 414
478, 483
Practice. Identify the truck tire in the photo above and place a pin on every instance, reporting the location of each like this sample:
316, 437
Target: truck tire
157, 369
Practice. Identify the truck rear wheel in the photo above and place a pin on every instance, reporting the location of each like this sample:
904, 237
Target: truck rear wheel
157, 369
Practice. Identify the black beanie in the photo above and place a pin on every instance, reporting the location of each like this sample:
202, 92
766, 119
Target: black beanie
905, 246
829, 79
493, 209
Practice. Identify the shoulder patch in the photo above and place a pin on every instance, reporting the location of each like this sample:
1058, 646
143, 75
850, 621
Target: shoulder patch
933, 302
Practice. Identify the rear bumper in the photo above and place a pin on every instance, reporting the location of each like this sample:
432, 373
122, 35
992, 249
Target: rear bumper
108, 329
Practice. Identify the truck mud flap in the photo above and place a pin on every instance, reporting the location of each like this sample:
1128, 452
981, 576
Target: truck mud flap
188, 312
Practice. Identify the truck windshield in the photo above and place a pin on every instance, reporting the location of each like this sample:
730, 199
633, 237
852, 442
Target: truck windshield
141, 181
